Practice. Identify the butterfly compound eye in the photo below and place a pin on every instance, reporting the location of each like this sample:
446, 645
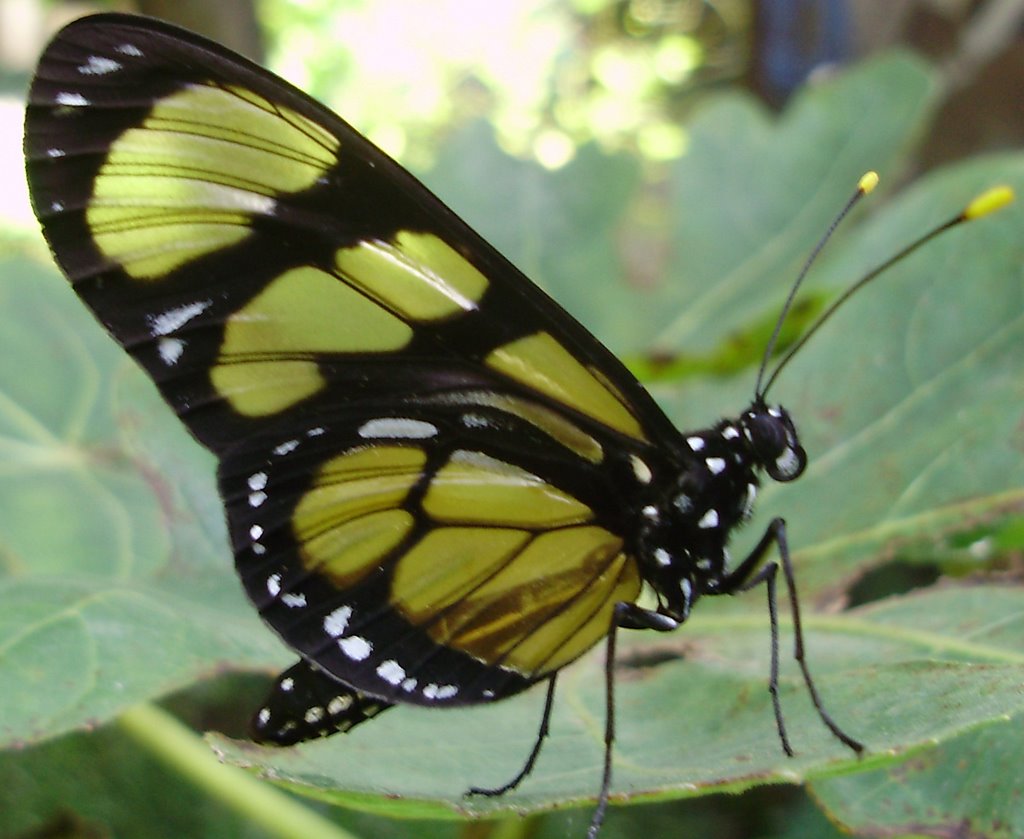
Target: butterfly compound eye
775, 443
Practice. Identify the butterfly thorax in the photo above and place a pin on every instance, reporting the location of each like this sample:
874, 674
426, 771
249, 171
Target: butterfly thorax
683, 539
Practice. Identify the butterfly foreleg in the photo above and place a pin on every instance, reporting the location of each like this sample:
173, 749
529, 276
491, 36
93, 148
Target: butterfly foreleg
748, 575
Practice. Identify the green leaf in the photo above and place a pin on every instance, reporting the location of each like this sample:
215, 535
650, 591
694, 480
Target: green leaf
115, 582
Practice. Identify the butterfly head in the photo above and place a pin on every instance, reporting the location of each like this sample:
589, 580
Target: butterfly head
773, 441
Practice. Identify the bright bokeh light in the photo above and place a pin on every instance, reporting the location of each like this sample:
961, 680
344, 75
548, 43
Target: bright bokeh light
15, 210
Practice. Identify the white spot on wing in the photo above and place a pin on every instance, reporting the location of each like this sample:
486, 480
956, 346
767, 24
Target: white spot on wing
730, 433
257, 498
314, 715
695, 443
339, 704
640, 469
391, 671
98, 65
170, 350
129, 49
174, 319
397, 428
662, 557
409, 685
263, 716
75, 100
286, 447
336, 622
433, 691
274, 584
287, 684
55, 152
255, 532
355, 647
258, 480
293, 601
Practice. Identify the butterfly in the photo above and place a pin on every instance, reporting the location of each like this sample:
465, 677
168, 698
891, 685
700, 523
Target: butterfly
440, 489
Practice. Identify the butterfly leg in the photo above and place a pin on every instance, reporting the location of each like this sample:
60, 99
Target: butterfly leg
627, 616
744, 578
542, 734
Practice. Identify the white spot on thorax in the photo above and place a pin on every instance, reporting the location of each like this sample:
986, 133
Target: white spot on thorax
730, 433
716, 465
336, 622
683, 503
748, 501
662, 557
98, 65
709, 519
287, 684
263, 716
397, 427
314, 714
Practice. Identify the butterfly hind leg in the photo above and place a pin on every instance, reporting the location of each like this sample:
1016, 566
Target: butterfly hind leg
542, 733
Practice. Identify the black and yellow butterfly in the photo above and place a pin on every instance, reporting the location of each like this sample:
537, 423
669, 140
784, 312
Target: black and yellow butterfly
440, 488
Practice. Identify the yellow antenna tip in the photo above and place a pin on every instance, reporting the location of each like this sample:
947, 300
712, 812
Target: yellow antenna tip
989, 201
868, 181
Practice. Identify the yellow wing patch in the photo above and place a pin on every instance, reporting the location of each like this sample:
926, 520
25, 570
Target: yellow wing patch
267, 358
348, 521
187, 181
531, 603
418, 275
542, 363
473, 488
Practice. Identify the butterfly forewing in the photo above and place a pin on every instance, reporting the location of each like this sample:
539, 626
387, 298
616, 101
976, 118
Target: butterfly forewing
427, 464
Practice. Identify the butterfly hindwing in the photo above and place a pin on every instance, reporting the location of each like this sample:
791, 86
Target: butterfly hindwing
425, 558
426, 463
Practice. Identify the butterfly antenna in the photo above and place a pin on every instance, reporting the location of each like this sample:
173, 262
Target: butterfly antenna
867, 183
987, 202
